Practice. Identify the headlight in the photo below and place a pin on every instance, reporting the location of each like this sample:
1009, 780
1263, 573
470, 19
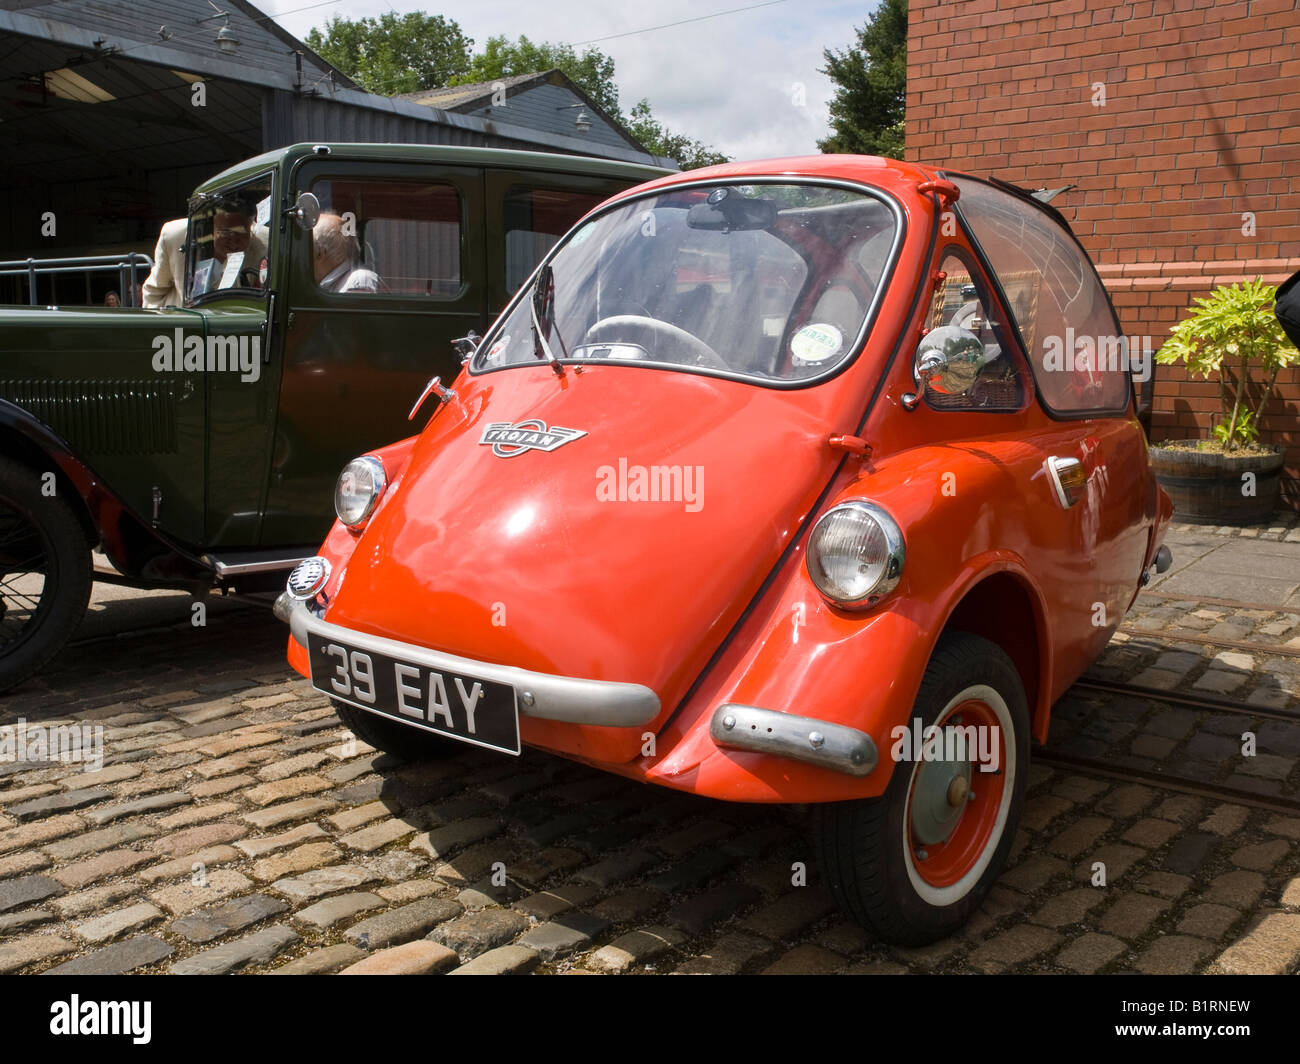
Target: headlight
855, 554
360, 485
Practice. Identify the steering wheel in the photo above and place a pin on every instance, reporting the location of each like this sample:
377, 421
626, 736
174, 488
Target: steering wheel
704, 355
622, 301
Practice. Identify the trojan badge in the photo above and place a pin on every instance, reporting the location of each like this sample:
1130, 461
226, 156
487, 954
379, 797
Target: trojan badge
531, 434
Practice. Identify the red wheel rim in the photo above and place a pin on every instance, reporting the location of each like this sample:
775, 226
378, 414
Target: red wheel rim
942, 864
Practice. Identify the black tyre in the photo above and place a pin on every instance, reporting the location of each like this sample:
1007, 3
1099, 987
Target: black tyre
44, 573
914, 864
411, 744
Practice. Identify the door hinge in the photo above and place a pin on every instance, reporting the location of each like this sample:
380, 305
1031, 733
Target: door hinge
945, 190
853, 444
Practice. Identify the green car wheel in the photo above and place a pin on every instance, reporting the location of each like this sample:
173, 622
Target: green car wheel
44, 573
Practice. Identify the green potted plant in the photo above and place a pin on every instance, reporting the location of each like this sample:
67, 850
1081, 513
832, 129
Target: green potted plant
1229, 478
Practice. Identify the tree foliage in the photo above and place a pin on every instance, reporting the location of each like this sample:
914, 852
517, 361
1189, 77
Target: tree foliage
869, 107
657, 140
593, 70
393, 53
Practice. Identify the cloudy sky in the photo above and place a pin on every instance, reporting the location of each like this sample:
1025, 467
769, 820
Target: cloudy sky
745, 83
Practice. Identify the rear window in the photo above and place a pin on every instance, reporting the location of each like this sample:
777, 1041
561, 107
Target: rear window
1079, 356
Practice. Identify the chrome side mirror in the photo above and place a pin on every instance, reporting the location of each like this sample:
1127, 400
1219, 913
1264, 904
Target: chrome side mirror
306, 212
949, 359
467, 345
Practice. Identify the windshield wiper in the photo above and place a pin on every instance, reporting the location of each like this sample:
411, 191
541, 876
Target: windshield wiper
543, 289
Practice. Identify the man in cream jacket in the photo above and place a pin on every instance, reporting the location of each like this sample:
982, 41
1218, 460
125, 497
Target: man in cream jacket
162, 288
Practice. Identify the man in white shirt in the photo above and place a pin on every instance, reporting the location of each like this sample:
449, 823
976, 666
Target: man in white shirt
336, 258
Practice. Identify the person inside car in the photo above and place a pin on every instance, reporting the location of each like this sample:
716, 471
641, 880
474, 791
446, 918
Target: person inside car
337, 258
238, 247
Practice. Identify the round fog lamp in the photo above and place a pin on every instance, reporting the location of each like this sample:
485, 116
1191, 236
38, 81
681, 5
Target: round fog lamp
359, 487
856, 554
307, 578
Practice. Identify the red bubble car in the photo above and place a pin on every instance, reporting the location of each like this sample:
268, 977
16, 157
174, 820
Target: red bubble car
810, 480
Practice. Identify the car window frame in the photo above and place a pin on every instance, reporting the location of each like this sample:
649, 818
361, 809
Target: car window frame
272, 243
1055, 216
870, 318
1011, 337
366, 299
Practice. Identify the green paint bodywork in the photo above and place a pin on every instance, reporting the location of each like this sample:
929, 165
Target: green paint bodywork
233, 465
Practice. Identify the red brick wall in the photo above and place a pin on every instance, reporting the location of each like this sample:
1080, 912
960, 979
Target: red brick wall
1198, 125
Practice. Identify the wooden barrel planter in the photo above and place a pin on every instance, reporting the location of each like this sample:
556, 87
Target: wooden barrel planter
1207, 487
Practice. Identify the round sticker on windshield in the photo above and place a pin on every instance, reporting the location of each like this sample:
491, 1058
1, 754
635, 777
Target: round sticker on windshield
816, 343
582, 234
498, 348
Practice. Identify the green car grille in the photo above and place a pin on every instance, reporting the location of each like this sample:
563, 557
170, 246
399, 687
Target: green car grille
103, 417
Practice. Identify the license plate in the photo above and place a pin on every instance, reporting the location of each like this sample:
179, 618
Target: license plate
482, 712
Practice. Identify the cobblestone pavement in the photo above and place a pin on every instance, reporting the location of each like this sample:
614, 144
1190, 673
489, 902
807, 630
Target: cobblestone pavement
1284, 525
234, 827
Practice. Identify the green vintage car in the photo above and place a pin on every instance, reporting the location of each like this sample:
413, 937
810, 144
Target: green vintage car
197, 446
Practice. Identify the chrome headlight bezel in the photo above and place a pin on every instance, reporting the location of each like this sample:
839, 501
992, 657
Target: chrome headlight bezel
372, 467
891, 571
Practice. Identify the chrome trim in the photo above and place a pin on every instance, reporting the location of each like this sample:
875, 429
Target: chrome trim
893, 568
378, 475
245, 568
887, 273
315, 583
1055, 465
817, 742
281, 606
605, 703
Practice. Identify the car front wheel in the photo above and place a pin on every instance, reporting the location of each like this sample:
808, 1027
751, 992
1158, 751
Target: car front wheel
410, 744
44, 573
914, 864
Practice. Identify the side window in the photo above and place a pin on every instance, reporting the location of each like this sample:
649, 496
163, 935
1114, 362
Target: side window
535, 219
388, 237
961, 301
228, 241
1079, 357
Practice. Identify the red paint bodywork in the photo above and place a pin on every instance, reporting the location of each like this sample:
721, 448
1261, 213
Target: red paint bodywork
716, 605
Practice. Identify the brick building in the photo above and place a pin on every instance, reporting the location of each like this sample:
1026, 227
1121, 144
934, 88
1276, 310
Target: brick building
1178, 120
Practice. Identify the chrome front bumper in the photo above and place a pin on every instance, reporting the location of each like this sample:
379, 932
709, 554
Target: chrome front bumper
818, 742
604, 703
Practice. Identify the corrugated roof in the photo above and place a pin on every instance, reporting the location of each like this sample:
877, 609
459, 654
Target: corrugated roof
457, 97
98, 122
150, 123
185, 28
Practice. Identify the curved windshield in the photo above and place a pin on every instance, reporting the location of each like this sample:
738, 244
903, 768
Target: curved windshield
228, 240
766, 281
